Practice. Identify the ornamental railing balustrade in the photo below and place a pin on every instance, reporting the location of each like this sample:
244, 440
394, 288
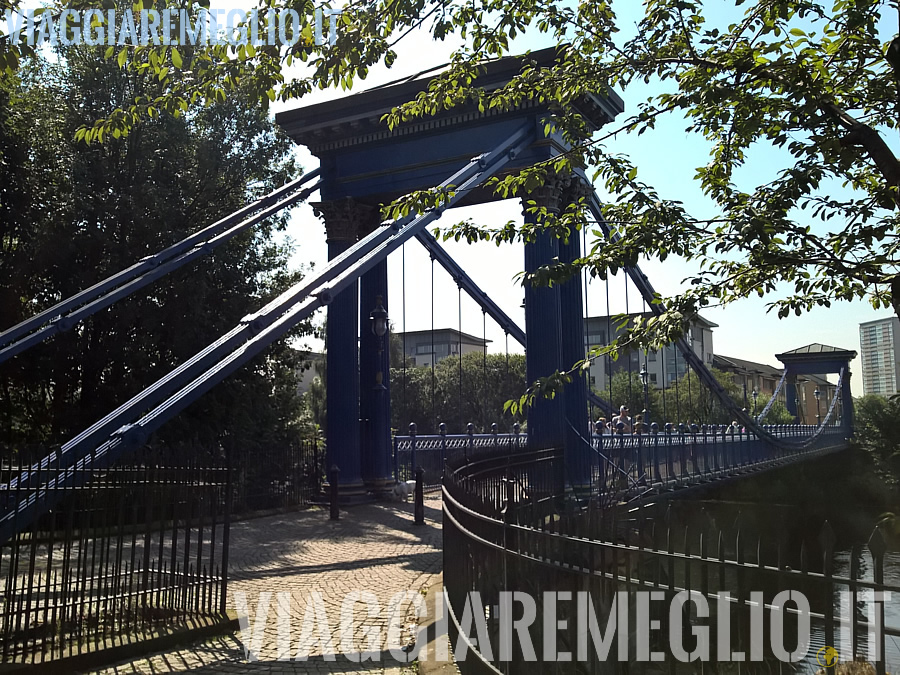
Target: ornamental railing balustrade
667, 455
510, 525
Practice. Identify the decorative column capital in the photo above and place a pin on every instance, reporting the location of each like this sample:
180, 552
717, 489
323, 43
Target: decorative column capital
347, 219
549, 194
577, 189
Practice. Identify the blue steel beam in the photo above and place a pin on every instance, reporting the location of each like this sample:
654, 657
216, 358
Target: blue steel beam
772, 399
466, 282
61, 318
105, 441
491, 308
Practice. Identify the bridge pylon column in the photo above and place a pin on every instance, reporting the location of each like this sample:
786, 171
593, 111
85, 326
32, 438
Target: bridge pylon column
579, 455
790, 395
543, 320
342, 218
847, 414
374, 374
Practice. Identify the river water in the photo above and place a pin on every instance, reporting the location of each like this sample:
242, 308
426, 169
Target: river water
891, 608
774, 516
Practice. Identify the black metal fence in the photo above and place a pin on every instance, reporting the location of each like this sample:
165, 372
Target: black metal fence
278, 476
137, 550
678, 455
510, 526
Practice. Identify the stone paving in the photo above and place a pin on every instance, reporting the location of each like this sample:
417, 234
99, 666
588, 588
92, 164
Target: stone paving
373, 547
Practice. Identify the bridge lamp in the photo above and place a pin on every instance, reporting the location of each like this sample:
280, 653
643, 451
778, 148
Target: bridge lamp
379, 317
381, 414
645, 380
755, 395
817, 394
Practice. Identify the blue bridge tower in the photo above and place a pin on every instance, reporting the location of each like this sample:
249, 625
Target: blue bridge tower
365, 164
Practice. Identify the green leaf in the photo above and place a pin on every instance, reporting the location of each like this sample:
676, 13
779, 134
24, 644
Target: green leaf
176, 58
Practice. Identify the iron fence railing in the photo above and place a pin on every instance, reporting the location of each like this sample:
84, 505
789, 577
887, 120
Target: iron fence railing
429, 452
510, 526
278, 476
138, 551
630, 463
682, 455
141, 548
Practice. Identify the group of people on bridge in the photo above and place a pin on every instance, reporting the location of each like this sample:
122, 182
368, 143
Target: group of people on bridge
628, 425
624, 424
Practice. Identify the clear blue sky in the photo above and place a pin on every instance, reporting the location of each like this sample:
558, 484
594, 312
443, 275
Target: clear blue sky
666, 158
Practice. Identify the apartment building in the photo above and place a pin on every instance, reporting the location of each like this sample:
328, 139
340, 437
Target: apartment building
879, 343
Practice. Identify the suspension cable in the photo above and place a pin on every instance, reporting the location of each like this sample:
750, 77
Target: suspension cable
506, 338
630, 370
459, 343
678, 419
586, 333
433, 355
403, 319
774, 396
609, 342
665, 385
484, 346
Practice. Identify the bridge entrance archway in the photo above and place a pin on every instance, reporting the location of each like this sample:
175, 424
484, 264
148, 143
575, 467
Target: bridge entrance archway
364, 164
819, 359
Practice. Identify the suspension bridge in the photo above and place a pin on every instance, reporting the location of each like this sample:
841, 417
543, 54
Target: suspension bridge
363, 165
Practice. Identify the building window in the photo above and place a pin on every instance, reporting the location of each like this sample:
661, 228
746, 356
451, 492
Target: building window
651, 356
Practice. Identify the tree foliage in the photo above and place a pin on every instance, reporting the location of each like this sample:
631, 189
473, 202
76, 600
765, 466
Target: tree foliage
487, 382
878, 435
73, 214
686, 401
812, 84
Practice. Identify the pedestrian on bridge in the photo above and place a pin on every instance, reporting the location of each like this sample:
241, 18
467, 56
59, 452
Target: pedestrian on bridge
639, 426
624, 419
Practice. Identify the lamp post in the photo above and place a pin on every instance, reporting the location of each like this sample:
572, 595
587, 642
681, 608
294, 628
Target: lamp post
755, 395
645, 380
797, 407
817, 394
381, 443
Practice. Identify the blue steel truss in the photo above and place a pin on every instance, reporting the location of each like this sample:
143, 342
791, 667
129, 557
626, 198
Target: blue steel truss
491, 308
66, 314
98, 447
42, 485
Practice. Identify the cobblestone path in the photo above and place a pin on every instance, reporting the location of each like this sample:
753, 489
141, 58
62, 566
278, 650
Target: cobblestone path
373, 548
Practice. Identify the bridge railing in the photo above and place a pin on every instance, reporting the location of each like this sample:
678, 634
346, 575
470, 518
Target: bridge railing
680, 455
671, 455
431, 451
138, 553
508, 526
142, 550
